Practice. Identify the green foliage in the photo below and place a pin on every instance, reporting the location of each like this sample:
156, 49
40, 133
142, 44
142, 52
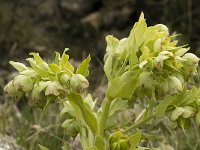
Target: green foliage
147, 68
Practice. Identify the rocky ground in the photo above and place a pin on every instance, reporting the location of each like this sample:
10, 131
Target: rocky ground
8, 143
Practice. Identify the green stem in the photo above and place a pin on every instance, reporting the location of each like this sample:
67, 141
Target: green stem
105, 110
136, 125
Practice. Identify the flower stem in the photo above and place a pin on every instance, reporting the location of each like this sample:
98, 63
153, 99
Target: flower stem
103, 119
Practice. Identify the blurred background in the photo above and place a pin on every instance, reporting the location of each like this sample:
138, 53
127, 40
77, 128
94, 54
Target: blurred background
46, 26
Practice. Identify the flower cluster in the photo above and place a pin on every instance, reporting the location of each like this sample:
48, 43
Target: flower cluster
165, 67
44, 83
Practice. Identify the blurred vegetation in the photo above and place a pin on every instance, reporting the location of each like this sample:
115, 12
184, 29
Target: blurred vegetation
81, 25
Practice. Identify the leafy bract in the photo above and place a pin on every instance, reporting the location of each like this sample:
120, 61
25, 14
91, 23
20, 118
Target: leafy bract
83, 67
77, 102
108, 66
65, 64
135, 139
123, 86
19, 66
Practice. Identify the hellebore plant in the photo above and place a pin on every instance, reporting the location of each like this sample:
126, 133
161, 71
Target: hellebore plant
146, 66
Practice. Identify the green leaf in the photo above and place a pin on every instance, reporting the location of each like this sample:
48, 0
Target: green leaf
54, 68
73, 129
183, 123
19, 66
181, 51
134, 140
117, 105
67, 122
40, 71
138, 32
57, 58
77, 102
42, 147
162, 106
40, 63
183, 99
83, 67
188, 97
65, 64
37, 58
108, 66
171, 65
68, 109
124, 85
133, 58
112, 43
89, 102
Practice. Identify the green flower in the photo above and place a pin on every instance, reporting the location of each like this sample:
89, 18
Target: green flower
150, 49
146, 80
24, 83
11, 89
78, 83
172, 85
191, 59
44, 82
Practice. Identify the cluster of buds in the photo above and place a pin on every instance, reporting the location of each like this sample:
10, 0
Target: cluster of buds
44, 83
165, 67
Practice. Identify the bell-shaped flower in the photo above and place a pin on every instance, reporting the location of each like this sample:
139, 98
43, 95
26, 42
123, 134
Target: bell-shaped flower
146, 80
10, 89
172, 85
78, 83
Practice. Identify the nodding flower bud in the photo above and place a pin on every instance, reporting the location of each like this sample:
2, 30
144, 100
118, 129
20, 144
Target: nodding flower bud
23, 82
158, 61
10, 89
191, 59
179, 76
78, 83
188, 112
19, 84
191, 63
64, 78
146, 80
177, 113
157, 45
162, 28
172, 85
